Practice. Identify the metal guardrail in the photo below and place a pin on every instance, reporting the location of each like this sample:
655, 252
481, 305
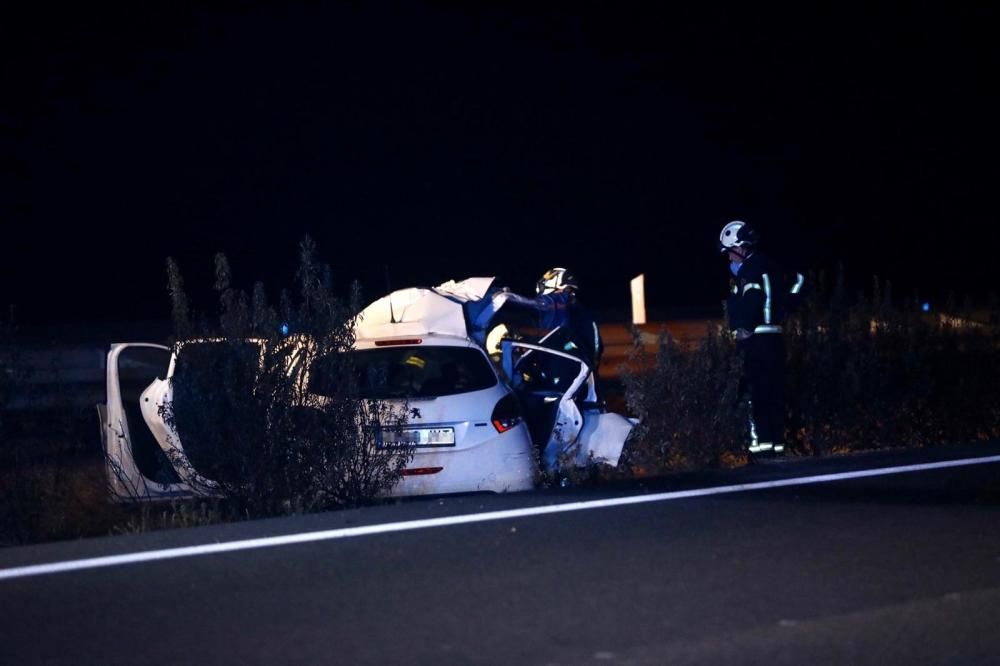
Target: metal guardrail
59, 376
76, 373
618, 339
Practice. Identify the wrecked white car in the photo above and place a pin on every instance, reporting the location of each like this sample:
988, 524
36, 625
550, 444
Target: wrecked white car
475, 422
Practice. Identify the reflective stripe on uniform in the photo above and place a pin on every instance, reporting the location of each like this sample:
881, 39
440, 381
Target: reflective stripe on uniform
750, 285
761, 446
799, 280
767, 299
768, 329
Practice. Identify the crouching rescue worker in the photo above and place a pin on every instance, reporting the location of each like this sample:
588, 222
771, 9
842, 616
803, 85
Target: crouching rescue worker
756, 309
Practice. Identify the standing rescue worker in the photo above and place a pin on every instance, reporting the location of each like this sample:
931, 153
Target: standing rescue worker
756, 310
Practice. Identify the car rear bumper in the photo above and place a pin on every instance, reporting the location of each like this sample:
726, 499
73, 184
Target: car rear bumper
505, 463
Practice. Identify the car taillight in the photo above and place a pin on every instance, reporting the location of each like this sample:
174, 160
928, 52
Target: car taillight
506, 414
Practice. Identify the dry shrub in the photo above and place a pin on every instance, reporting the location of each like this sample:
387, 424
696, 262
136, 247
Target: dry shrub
246, 413
688, 405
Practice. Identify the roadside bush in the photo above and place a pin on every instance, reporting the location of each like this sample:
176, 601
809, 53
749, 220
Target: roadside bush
11, 372
242, 405
48, 482
861, 374
177, 514
874, 374
11, 528
688, 405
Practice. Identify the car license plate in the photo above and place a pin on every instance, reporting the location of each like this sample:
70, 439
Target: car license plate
417, 437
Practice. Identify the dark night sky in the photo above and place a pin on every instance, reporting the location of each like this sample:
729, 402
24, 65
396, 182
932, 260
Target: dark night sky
446, 141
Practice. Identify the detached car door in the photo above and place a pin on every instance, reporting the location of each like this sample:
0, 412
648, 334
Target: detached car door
137, 464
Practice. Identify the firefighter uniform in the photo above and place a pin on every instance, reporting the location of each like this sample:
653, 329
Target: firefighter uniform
756, 311
561, 314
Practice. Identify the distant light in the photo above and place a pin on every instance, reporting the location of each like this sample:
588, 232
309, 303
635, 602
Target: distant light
284, 329
926, 307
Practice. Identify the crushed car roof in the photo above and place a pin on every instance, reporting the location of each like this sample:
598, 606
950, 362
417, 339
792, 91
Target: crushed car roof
422, 311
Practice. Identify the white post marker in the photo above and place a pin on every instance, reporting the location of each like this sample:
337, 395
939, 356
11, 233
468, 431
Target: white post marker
639, 299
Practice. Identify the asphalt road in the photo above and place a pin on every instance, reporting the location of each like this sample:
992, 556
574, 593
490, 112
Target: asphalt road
902, 567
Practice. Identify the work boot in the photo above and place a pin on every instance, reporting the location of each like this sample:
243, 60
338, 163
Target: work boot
761, 452
776, 453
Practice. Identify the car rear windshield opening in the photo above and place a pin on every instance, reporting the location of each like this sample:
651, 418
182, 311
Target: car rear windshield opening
412, 372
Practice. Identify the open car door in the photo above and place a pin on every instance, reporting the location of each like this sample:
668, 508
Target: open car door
553, 386
137, 465
144, 457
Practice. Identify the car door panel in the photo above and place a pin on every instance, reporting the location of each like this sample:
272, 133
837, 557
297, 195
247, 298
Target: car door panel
136, 465
582, 437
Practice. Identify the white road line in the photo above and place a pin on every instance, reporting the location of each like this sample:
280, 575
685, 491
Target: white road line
348, 532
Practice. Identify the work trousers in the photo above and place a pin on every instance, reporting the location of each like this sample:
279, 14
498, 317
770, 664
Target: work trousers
764, 375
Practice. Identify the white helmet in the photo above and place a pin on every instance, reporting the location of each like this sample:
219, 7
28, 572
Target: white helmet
736, 234
556, 279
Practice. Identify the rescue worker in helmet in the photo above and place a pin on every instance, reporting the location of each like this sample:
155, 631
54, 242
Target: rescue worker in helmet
571, 330
559, 307
756, 309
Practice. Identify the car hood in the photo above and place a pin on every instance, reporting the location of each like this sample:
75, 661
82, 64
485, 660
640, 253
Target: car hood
417, 311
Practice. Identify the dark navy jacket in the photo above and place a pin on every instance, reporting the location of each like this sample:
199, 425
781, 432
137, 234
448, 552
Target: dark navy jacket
760, 295
561, 309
